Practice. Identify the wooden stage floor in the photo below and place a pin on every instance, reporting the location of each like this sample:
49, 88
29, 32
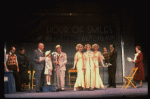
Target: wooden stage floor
70, 93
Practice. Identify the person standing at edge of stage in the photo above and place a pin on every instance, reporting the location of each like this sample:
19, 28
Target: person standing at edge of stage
78, 62
60, 62
39, 66
112, 68
11, 64
138, 60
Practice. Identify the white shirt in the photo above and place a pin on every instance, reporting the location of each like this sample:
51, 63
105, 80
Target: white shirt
135, 57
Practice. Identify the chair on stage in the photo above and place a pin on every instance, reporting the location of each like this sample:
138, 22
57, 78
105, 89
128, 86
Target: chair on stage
33, 78
29, 72
129, 78
71, 71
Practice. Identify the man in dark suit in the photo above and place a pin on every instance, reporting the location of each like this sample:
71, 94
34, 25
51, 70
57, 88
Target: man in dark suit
112, 68
38, 66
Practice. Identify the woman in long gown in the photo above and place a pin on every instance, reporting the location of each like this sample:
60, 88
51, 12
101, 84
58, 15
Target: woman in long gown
78, 62
138, 60
89, 68
97, 57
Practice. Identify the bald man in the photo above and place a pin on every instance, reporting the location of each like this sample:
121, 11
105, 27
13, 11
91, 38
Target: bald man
38, 66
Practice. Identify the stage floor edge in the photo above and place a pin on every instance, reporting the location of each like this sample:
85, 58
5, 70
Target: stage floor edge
70, 93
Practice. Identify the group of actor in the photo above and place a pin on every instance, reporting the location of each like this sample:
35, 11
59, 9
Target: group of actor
19, 66
87, 65
60, 61
89, 62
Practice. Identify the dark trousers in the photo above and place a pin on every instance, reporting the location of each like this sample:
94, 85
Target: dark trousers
16, 76
39, 79
112, 74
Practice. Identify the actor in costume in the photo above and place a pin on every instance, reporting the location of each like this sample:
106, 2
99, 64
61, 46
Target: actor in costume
97, 57
138, 60
89, 68
11, 64
39, 66
112, 68
60, 62
23, 68
48, 67
78, 62
106, 56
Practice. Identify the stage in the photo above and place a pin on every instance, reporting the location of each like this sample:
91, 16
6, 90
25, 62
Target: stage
70, 93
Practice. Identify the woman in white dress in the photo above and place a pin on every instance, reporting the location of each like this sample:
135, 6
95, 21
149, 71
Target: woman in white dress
78, 62
89, 68
48, 67
97, 57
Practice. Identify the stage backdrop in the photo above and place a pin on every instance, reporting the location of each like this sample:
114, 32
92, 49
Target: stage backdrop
68, 31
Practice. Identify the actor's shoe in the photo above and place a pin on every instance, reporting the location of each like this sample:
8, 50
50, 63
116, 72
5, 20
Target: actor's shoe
114, 86
37, 91
62, 89
75, 89
91, 89
104, 88
108, 86
80, 88
139, 86
58, 89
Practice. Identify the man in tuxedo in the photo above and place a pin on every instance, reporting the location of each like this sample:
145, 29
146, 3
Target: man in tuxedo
39, 66
112, 68
60, 62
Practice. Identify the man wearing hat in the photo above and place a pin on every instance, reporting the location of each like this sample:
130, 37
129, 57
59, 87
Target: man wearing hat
112, 68
60, 62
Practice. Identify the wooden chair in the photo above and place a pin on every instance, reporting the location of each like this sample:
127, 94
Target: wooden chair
29, 72
33, 78
71, 71
129, 78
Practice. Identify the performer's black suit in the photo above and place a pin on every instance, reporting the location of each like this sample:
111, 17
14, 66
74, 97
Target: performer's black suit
112, 69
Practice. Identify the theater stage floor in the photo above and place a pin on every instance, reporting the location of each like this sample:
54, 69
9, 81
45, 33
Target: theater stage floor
69, 93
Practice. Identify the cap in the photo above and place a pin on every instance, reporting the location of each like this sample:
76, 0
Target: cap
57, 46
47, 52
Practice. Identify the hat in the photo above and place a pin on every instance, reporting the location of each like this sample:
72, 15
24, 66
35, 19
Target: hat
47, 52
58, 46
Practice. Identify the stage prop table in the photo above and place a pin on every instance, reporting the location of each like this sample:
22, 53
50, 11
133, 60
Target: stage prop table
9, 82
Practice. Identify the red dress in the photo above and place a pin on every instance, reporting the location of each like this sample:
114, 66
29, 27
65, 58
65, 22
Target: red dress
139, 75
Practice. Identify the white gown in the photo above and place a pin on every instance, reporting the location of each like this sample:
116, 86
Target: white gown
78, 60
98, 80
48, 66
